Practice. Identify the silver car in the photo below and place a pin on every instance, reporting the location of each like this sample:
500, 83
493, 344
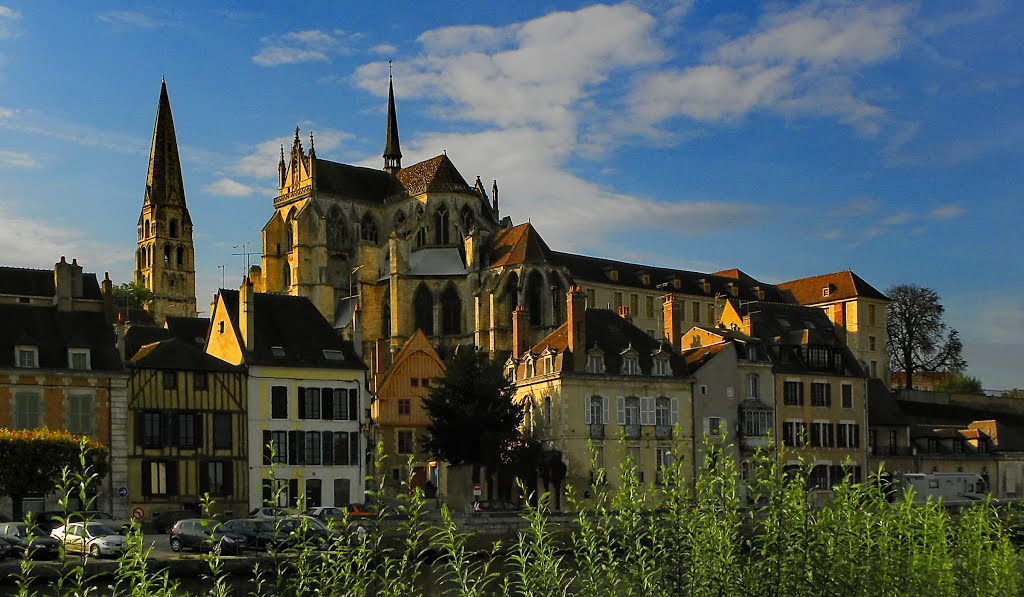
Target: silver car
91, 538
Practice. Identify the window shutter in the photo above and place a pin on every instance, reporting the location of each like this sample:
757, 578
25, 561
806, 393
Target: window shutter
649, 417
723, 427
327, 404
856, 435
801, 393
268, 492
197, 421
620, 409
353, 405
327, 446
674, 412
147, 484
139, 431
293, 492
172, 478
301, 448
341, 448
707, 427
170, 424
293, 447
229, 480
353, 450
604, 410
266, 446
588, 404
302, 402
204, 476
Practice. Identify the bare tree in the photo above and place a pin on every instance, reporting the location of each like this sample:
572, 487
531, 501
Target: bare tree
918, 338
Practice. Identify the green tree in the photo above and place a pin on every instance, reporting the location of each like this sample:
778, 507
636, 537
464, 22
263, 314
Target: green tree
473, 417
919, 340
33, 461
960, 384
131, 295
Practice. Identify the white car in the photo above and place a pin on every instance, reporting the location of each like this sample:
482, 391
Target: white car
92, 538
272, 513
326, 513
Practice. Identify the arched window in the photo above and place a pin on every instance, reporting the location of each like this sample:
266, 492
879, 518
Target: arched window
289, 230
385, 318
557, 299
421, 236
173, 228
139, 256
335, 229
451, 311
399, 218
441, 226
180, 256
423, 310
146, 226
287, 276
368, 229
167, 254
466, 215
535, 297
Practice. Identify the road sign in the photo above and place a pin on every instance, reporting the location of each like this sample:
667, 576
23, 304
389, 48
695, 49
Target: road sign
122, 491
476, 489
138, 513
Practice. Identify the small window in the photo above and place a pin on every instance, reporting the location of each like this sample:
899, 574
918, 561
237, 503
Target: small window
871, 343
334, 355
425, 382
404, 407
871, 314
170, 380
279, 402
222, 431
714, 426
78, 358
27, 356
277, 351
414, 382
199, 381
825, 292
630, 366
847, 396
703, 390
405, 441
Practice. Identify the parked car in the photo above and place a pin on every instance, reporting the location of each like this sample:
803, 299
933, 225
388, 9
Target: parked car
163, 521
259, 534
202, 533
300, 530
361, 511
52, 519
93, 538
5, 549
326, 514
33, 538
272, 512
494, 506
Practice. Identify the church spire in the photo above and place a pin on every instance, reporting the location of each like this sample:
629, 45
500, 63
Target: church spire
163, 181
392, 150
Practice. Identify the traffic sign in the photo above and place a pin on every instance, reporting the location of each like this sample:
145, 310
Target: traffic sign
122, 491
138, 513
476, 489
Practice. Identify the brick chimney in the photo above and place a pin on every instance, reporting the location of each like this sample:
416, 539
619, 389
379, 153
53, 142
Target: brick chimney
673, 319
520, 331
107, 289
247, 313
576, 318
624, 313
62, 284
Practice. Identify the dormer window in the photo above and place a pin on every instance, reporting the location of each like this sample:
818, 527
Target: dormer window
529, 367
510, 370
334, 355
549, 361
630, 361
26, 356
277, 351
677, 283
613, 275
78, 358
595, 360
661, 366
825, 291
646, 279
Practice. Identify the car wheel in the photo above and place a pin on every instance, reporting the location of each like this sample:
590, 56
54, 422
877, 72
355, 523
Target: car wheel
94, 551
175, 544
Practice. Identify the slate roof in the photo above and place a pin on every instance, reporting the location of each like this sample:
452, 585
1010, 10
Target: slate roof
178, 354
39, 282
355, 182
294, 324
790, 324
436, 261
53, 332
518, 244
191, 329
843, 285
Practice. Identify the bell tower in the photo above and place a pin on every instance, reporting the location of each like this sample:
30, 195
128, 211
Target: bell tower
165, 256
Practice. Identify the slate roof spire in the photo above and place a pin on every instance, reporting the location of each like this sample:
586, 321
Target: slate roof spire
164, 185
392, 150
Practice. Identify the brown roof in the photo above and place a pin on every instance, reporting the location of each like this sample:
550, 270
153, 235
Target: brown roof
519, 244
842, 286
433, 175
696, 357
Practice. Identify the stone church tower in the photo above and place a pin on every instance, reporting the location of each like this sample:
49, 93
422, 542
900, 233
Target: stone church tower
165, 257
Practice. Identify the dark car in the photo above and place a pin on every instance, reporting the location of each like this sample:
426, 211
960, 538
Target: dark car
494, 506
5, 549
259, 534
163, 521
33, 538
202, 533
296, 531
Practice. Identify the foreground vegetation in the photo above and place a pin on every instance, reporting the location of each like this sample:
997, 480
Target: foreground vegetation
628, 541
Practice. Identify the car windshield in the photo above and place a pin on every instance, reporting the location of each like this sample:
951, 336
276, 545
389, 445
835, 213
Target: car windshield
98, 530
97, 515
37, 531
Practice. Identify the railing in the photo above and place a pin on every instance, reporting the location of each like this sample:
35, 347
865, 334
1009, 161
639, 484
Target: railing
752, 442
597, 431
631, 431
662, 432
893, 451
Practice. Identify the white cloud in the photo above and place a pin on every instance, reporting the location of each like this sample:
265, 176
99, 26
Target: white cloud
947, 212
7, 18
310, 45
384, 49
897, 219
858, 206
17, 159
25, 242
128, 18
261, 161
278, 55
227, 187
709, 92
34, 122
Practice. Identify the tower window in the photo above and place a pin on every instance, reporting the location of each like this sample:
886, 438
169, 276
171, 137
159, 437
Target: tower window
368, 229
423, 310
146, 226
451, 311
441, 226
181, 256
172, 230
167, 254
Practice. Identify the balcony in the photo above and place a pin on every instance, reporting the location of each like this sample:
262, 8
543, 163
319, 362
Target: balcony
631, 431
753, 442
662, 432
597, 431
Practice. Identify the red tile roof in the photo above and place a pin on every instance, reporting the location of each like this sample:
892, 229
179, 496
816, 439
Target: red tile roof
519, 244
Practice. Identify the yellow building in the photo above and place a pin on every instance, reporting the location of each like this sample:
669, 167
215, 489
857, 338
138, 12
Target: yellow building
187, 429
59, 367
397, 410
307, 399
596, 377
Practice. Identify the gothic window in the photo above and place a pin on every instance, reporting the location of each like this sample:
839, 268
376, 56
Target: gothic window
421, 236
167, 254
140, 255
368, 229
289, 230
451, 311
423, 310
511, 295
172, 230
441, 226
399, 218
180, 256
287, 279
557, 300
335, 229
147, 229
534, 298
466, 215
385, 319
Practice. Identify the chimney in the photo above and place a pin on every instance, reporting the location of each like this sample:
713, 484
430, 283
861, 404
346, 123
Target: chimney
247, 313
673, 320
624, 313
705, 285
520, 331
107, 288
119, 334
62, 284
76, 279
576, 317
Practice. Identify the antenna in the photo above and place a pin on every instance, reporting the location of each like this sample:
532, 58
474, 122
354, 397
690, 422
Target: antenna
222, 269
244, 254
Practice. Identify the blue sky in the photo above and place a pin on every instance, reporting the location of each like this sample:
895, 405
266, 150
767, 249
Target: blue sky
787, 139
